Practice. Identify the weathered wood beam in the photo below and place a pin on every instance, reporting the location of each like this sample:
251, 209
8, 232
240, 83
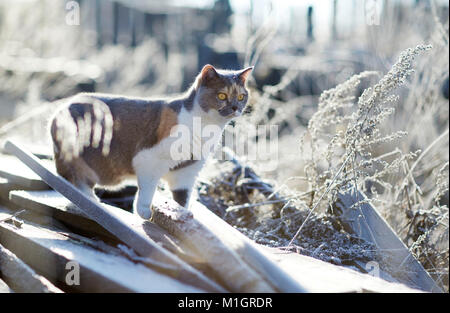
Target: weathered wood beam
54, 255
246, 249
226, 264
320, 276
53, 204
19, 174
20, 277
362, 219
5, 187
40, 151
4, 288
111, 221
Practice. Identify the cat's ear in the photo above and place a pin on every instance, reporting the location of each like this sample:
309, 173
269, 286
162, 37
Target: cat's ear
208, 72
243, 75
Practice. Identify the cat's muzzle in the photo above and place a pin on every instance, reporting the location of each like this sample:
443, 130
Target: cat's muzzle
230, 112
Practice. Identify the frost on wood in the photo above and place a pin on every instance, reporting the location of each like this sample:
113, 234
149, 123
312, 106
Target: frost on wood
20, 277
225, 263
50, 251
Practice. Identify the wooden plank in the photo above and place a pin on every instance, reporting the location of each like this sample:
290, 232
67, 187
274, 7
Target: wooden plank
5, 187
236, 275
320, 276
364, 220
244, 247
39, 150
34, 217
49, 252
53, 204
4, 288
18, 173
111, 221
20, 277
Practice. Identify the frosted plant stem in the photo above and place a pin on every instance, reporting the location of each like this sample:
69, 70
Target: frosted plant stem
422, 155
330, 186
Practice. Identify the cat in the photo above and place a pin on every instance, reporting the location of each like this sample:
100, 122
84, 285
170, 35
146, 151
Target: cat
114, 138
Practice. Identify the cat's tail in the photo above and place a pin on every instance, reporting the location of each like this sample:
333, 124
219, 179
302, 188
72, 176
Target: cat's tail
84, 121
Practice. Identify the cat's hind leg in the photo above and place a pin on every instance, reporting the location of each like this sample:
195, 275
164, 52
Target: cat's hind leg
78, 174
87, 190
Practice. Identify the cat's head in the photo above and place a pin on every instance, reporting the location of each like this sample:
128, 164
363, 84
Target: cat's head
223, 90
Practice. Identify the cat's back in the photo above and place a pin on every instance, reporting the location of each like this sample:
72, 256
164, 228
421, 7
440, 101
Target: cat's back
120, 106
126, 119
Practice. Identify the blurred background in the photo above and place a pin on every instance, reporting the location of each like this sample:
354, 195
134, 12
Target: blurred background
53, 49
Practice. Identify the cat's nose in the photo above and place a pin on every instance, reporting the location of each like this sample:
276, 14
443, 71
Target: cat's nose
234, 108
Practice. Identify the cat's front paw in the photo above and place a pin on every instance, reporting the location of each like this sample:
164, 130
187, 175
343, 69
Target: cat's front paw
143, 210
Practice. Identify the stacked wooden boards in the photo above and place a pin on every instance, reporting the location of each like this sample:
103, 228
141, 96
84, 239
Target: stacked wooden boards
179, 251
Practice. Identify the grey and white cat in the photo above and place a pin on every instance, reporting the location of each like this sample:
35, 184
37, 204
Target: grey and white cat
140, 142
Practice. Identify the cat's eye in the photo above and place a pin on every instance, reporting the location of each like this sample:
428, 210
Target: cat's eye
221, 96
241, 97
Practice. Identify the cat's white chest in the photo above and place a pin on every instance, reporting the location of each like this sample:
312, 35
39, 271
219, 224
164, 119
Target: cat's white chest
202, 132
194, 137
